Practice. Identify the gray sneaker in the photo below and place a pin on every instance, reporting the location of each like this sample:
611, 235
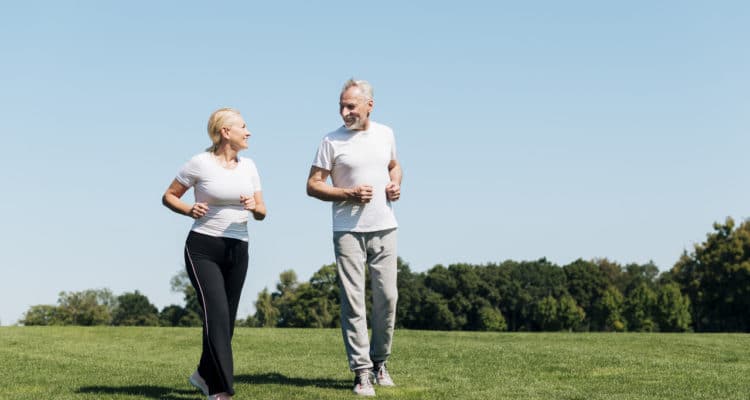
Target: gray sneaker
382, 377
362, 384
197, 380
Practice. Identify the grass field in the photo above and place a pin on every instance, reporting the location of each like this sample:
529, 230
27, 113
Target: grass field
153, 363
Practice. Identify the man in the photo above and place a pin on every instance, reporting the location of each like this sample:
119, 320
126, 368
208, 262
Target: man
360, 158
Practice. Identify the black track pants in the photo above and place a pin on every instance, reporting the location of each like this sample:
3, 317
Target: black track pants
217, 267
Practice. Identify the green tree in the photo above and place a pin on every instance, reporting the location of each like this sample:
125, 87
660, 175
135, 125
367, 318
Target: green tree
570, 314
250, 322
287, 282
609, 310
491, 319
284, 299
180, 283
636, 274
410, 289
716, 278
171, 315
325, 282
266, 313
529, 283
293, 304
494, 279
469, 301
436, 315
546, 314
447, 298
672, 309
586, 284
612, 273
639, 308
190, 319
42, 315
84, 308
466, 290
134, 309
440, 280
309, 309
553, 315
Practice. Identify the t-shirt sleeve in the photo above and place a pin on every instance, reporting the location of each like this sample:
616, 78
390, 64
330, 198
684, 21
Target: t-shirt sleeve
188, 174
324, 157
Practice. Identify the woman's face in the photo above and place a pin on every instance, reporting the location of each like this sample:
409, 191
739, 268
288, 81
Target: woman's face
237, 133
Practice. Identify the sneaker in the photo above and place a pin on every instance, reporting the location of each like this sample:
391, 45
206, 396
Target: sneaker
220, 396
362, 384
197, 380
382, 377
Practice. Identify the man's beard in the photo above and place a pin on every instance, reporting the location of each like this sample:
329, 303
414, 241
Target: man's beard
357, 124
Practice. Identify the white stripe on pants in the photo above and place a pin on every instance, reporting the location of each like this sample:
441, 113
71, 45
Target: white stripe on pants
377, 250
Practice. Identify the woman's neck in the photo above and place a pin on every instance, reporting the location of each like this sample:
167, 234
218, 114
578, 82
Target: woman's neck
226, 155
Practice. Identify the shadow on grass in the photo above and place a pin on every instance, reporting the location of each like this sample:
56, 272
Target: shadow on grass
168, 393
148, 391
274, 378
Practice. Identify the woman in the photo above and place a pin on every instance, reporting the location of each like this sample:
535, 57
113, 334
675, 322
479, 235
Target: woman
227, 189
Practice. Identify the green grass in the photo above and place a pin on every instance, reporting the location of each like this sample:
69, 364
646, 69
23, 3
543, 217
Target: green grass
153, 363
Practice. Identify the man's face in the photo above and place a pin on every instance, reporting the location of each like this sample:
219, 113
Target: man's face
355, 109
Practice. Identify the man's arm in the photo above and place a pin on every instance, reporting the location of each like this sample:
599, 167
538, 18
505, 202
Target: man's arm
393, 189
318, 188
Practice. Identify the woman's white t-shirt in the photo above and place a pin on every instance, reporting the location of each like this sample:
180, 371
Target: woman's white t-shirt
221, 189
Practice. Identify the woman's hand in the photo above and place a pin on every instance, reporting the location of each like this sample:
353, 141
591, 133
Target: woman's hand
198, 210
248, 202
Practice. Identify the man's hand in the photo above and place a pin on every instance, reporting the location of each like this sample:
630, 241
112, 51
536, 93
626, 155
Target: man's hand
393, 191
360, 194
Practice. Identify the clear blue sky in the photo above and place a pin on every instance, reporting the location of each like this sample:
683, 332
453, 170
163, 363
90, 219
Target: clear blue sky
525, 130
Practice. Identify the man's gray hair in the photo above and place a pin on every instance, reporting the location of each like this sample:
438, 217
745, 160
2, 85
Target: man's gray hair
364, 87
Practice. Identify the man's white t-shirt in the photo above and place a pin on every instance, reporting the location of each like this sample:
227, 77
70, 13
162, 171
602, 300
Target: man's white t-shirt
360, 158
221, 189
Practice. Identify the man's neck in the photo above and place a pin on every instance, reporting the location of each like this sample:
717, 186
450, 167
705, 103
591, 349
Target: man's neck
365, 126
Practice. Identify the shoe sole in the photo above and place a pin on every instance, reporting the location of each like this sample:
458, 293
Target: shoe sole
198, 386
384, 384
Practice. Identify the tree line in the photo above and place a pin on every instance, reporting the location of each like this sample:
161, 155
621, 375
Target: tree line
102, 307
707, 290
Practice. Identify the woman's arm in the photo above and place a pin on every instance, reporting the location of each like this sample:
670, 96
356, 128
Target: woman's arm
171, 199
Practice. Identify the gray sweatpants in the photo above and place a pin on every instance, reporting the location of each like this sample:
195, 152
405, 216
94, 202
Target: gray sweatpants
378, 251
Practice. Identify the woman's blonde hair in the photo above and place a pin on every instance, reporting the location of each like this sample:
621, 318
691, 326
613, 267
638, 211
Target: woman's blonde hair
219, 119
